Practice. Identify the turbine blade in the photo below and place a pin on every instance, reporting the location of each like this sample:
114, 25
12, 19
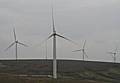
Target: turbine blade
53, 21
112, 55
49, 37
45, 40
84, 44
77, 50
14, 34
110, 52
85, 54
116, 50
67, 39
9, 46
23, 44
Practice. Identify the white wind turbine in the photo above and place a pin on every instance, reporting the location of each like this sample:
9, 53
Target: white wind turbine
16, 42
114, 53
54, 35
83, 51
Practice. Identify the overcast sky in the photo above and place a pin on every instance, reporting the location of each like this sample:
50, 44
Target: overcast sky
97, 21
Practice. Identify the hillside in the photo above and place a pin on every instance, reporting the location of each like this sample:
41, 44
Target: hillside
67, 69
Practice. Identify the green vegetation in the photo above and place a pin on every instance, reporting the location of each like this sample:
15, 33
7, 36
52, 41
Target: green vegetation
87, 76
10, 79
68, 72
110, 76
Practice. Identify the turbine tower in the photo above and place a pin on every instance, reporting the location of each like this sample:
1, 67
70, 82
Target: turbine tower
54, 35
114, 53
83, 51
16, 42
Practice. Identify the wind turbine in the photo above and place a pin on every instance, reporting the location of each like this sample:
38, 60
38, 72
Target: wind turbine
54, 35
83, 51
16, 42
114, 53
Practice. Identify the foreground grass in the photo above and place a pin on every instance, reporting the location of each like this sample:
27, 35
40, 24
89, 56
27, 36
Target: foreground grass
69, 72
17, 79
87, 76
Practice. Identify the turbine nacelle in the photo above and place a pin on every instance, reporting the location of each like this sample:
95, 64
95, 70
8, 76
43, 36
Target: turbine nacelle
16, 41
54, 34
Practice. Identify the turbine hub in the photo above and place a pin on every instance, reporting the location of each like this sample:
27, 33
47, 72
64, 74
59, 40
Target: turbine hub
16, 41
54, 33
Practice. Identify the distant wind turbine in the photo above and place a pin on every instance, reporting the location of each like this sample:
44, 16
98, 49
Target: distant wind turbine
83, 51
16, 42
114, 53
54, 35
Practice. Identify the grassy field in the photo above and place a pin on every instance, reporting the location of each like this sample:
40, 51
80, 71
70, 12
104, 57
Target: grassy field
16, 79
69, 71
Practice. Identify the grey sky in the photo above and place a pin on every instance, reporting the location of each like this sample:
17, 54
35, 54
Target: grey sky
97, 21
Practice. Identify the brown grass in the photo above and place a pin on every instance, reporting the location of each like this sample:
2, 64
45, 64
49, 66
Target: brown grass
6, 78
